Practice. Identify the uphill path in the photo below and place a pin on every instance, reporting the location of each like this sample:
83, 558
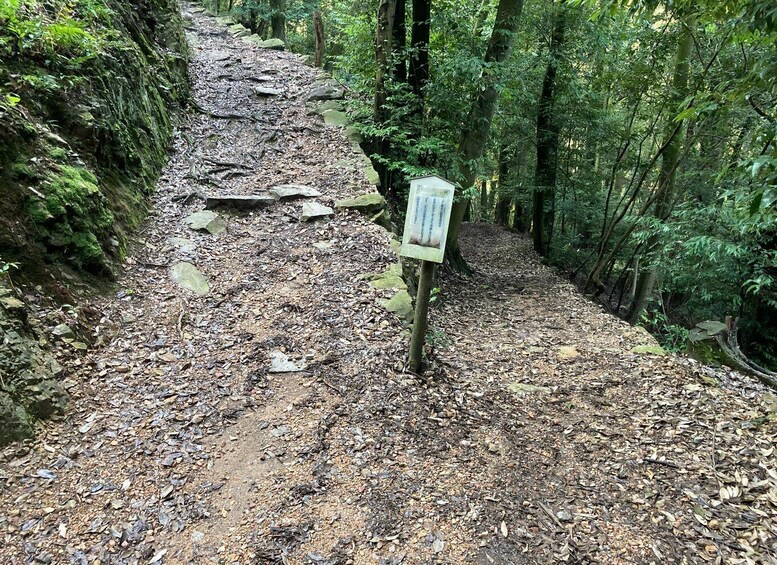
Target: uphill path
545, 430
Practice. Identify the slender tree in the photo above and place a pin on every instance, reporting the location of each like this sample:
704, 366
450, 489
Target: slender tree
665, 197
548, 129
389, 39
419, 59
477, 126
318, 27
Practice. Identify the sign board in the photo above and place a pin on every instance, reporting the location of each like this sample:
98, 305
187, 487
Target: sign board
428, 215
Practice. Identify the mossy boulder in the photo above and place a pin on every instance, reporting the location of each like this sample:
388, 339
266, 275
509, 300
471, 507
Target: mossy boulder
15, 423
321, 107
275, 44
391, 278
335, 118
400, 304
73, 215
649, 350
370, 203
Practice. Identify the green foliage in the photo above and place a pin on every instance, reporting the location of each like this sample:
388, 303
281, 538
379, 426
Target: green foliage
437, 338
672, 337
31, 28
6, 267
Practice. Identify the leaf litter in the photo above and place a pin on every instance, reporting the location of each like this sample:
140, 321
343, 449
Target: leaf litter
539, 434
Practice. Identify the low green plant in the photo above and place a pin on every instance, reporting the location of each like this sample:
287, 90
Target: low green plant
438, 338
6, 267
672, 337
51, 34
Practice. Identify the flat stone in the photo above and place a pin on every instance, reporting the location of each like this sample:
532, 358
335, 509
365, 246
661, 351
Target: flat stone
321, 107
523, 389
217, 55
326, 92
335, 118
239, 202
289, 191
712, 327
206, 220
11, 303
372, 175
267, 91
63, 331
369, 203
567, 352
383, 219
188, 277
353, 135
391, 278
649, 350
323, 245
313, 211
276, 44
280, 363
389, 281
238, 30
183, 245
400, 304
564, 516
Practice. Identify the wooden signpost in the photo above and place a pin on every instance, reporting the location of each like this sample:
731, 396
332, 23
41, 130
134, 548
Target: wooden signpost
426, 229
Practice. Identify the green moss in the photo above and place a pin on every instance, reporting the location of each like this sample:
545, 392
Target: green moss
649, 350
23, 171
56, 153
87, 247
74, 214
71, 190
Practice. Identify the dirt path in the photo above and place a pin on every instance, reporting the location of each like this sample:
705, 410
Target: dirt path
538, 436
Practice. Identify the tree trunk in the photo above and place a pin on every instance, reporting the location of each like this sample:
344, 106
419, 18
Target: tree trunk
278, 20
383, 48
318, 26
518, 223
666, 186
504, 198
477, 126
399, 42
419, 43
543, 209
388, 10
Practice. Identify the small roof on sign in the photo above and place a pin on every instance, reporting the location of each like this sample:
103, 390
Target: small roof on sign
433, 177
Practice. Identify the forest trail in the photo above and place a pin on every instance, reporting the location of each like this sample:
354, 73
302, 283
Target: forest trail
539, 435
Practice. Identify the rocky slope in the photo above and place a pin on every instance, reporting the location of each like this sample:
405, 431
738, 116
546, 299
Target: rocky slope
86, 98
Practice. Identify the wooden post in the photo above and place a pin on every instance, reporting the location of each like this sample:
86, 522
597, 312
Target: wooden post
421, 320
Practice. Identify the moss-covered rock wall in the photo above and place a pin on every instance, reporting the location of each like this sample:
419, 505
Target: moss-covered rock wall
88, 94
